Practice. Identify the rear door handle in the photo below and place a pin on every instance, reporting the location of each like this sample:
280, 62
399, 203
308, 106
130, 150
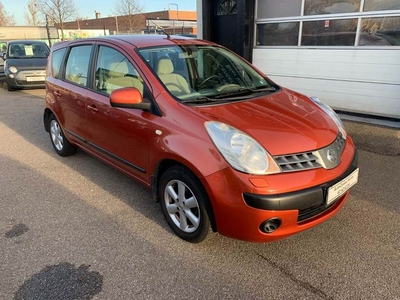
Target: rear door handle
92, 108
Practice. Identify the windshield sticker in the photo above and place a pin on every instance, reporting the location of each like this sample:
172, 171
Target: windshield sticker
28, 50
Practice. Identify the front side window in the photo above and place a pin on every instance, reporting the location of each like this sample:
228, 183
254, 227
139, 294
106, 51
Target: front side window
341, 32
76, 69
205, 73
114, 71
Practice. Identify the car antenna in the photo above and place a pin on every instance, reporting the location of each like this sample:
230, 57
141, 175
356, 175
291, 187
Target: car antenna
139, 10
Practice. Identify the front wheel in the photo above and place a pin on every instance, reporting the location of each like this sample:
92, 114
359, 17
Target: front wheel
58, 140
183, 199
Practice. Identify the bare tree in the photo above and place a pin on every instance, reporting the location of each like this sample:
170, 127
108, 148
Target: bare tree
31, 17
129, 9
5, 19
58, 11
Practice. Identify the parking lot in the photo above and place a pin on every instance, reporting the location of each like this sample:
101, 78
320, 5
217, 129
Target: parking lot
74, 228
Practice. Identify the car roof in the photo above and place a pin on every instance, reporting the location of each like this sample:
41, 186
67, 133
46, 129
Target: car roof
25, 42
139, 41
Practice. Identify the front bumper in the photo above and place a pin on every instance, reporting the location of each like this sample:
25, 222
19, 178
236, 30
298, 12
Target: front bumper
309, 202
26, 79
242, 203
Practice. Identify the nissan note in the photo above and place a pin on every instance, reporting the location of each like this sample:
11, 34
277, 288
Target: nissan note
219, 145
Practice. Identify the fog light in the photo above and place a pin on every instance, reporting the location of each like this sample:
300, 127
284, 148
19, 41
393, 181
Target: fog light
11, 75
270, 225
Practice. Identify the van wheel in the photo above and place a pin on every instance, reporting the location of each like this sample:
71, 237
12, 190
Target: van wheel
182, 199
58, 140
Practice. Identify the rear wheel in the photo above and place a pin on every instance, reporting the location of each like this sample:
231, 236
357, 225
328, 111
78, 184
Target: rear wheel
59, 141
183, 199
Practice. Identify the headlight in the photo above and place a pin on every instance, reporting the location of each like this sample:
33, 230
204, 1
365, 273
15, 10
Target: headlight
332, 114
13, 69
241, 151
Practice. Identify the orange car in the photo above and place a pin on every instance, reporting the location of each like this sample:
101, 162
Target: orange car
219, 144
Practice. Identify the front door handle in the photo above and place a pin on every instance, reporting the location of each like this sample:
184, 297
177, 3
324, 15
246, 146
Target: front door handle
92, 108
57, 93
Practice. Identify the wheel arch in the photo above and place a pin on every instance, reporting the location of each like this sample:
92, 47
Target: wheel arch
46, 118
164, 165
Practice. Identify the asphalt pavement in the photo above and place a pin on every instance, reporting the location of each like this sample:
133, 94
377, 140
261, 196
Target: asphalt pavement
74, 228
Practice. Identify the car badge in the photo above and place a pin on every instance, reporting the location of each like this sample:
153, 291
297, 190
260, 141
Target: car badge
332, 156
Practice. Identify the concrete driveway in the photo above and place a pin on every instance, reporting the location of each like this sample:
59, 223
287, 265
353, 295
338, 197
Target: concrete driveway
74, 228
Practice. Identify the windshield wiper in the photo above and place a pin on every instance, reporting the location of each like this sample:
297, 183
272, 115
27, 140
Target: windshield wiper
202, 99
244, 90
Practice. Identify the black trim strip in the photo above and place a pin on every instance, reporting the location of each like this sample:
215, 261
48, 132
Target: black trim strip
113, 156
300, 200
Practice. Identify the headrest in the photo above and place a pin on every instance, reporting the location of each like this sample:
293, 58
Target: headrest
118, 69
165, 66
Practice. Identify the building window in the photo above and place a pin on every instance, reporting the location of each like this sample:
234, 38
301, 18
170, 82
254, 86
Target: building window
322, 7
227, 7
329, 33
380, 31
377, 5
330, 23
278, 8
278, 34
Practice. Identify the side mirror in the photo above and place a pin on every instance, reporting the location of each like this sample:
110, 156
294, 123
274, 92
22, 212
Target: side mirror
3, 55
129, 97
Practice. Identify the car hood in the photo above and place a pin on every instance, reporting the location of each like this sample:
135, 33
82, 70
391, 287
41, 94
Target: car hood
283, 122
27, 63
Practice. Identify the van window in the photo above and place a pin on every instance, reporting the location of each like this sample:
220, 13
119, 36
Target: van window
76, 69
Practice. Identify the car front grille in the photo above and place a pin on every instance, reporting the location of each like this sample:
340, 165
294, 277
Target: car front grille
327, 157
297, 162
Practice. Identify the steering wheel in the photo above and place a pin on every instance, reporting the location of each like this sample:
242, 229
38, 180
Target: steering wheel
207, 80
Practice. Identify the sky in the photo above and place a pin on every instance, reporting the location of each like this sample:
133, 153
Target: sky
87, 8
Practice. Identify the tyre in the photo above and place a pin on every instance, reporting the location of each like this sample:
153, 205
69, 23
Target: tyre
10, 88
183, 198
58, 139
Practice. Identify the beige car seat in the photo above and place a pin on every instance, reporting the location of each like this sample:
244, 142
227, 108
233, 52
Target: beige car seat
175, 83
117, 78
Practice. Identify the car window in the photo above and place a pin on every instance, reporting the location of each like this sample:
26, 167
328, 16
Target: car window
28, 50
114, 71
56, 61
76, 69
198, 71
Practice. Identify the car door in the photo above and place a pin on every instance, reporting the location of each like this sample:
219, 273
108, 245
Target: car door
71, 92
120, 135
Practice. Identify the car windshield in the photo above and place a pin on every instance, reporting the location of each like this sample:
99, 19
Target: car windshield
203, 73
28, 50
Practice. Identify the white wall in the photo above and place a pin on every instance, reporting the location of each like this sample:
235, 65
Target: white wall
356, 80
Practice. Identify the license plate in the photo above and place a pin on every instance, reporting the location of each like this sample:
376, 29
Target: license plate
38, 78
337, 190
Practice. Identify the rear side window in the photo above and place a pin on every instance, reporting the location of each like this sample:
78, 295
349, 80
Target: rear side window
77, 66
56, 60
